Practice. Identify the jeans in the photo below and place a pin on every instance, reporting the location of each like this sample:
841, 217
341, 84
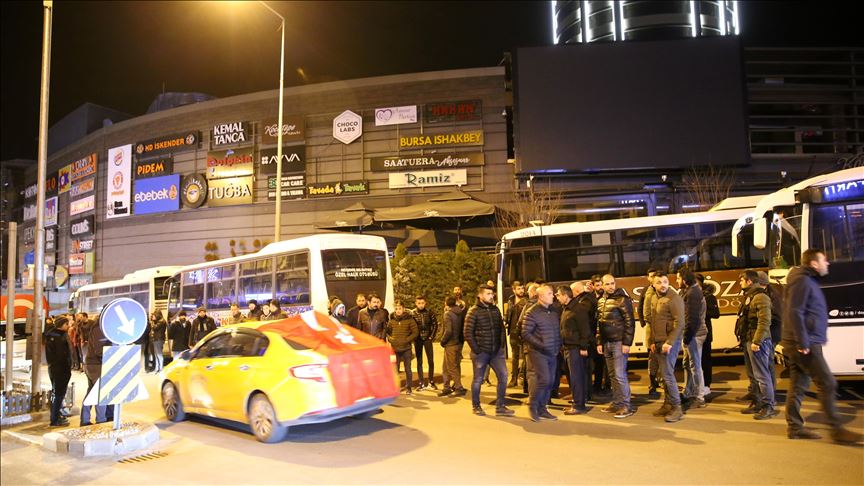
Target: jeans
516, 346
762, 366
803, 368
101, 410
481, 362
404, 358
419, 347
667, 372
616, 363
541, 371
694, 381
157, 354
576, 365
59, 383
453, 367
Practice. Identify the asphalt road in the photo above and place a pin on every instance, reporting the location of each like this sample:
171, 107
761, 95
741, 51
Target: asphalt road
424, 439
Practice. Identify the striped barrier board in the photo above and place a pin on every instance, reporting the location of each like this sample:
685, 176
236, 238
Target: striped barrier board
119, 381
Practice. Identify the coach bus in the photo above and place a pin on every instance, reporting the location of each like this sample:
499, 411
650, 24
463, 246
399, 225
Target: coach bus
146, 286
627, 248
300, 273
824, 212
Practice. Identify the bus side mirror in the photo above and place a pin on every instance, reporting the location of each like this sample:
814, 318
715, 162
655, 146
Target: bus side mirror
760, 233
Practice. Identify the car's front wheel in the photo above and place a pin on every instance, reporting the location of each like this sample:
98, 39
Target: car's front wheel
171, 403
263, 421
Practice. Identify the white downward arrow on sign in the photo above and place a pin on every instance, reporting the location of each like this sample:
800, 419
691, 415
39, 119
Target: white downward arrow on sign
127, 326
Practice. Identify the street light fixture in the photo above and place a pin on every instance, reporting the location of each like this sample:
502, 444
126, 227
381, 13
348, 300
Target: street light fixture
278, 218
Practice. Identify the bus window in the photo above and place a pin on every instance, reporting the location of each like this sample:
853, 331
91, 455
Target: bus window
220, 287
348, 272
513, 269
785, 237
193, 289
173, 297
533, 265
160, 289
256, 282
839, 230
292, 280
139, 293
579, 264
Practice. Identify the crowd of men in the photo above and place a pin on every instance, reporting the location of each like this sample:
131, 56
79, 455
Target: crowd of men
583, 331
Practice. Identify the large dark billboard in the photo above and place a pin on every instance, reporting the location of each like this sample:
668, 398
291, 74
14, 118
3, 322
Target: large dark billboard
630, 105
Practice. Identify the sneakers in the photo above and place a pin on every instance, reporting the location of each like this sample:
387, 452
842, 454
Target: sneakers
534, 417
697, 403
623, 412
445, 392
845, 436
504, 412
610, 409
751, 409
545, 415
766, 413
60, 423
460, 392
432, 385
706, 391
479, 412
803, 433
663, 411
408, 392
421, 387
575, 411
675, 414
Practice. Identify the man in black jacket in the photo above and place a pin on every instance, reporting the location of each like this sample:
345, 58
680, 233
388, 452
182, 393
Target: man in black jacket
59, 357
515, 305
178, 334
401, 331
805, 331
452, 341
541, 333
201, 326
373, 319
96, 342
616, 327
484, 331
712, 311
695, 332
427, 325
353, 314
576, 315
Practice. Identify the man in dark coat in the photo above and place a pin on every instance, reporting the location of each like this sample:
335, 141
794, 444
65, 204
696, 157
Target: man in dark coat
401, 332
201, 326
615, 329
353, 314
577, 312
515, 305
427, 324
805, 331
541, 334
96, 341
484, 332
178, 334
452, 341
373, 319
59, 357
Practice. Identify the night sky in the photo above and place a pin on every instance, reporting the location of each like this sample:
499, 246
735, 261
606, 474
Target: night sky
122, 54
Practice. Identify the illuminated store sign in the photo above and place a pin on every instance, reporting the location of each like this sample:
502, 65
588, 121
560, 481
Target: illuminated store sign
154, 167
433, 161
230, 163
449, 112
83, 167
231, 192
429, 178
293, 159
293, 187
292, 129
178, 142
229, 133
157, 194
337, 189
474, 137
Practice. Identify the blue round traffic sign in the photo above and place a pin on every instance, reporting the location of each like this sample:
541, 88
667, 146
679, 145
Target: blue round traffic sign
123, 320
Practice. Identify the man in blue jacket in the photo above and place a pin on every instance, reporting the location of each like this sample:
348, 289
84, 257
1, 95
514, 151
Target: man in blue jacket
805, 331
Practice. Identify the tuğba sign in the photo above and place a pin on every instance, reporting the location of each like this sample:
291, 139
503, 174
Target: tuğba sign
231, 192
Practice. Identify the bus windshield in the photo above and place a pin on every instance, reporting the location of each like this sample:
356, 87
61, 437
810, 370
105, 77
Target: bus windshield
785, 237
348, 272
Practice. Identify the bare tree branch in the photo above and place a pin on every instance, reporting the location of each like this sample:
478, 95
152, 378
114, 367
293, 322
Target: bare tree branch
707, 186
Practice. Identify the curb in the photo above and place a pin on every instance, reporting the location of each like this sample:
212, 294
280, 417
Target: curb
101, 440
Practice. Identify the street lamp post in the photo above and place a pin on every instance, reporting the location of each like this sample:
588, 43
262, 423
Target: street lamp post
277, 230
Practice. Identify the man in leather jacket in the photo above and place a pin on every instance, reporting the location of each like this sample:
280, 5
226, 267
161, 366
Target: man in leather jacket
615, 330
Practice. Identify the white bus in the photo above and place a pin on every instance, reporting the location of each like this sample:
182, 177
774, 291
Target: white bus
824, 212
301, 273
563, 253
146, 286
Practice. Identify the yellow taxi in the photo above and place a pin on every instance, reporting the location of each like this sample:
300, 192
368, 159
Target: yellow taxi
305, 369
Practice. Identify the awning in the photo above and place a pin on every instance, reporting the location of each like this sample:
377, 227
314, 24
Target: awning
454, 205
357, 215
